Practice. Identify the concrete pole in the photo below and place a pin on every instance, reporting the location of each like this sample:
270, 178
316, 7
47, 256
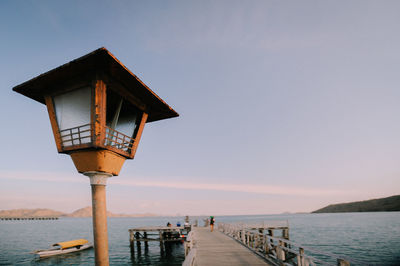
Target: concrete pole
98, 181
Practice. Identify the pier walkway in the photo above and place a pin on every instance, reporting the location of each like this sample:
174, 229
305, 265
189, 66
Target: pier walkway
216, 248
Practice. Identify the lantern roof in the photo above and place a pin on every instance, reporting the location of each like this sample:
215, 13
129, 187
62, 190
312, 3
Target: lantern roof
98, 63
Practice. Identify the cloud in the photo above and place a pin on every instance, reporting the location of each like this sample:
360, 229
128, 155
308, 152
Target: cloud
247, 188
180, 183
42, 176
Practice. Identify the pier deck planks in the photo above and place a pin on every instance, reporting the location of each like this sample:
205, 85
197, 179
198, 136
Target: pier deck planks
215, 248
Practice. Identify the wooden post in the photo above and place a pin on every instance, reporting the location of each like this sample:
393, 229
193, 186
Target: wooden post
53, 121
260, 237
98, 182
271, 234
132, 241
341, 262
300, 258
99, 112
248, 239
161, 241
285, 233
137, 237
266, 245
146, 243
280, 253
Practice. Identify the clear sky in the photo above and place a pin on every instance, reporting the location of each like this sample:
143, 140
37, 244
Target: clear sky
284, 105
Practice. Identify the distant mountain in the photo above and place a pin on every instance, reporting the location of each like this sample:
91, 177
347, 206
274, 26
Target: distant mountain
30, 213
374, 205
87, 212
83, 212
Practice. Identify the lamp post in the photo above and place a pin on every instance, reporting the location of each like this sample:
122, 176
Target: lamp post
97, 110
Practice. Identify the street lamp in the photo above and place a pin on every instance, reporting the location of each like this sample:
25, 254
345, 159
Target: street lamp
97, 110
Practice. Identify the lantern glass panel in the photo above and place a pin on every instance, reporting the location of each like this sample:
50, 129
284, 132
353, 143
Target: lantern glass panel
73, 112
127, 120
122, 120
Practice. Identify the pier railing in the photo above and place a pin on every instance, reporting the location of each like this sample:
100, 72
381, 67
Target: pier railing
278, 250
190, 250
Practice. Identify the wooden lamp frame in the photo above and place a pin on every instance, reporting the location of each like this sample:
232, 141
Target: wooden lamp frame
98, 135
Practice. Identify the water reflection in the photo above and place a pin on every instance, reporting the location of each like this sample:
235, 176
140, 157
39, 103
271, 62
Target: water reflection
170, 253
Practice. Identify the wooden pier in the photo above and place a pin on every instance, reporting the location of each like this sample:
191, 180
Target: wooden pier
256, 244
216, 248
278, 249
27, 218
162, 234
264, 243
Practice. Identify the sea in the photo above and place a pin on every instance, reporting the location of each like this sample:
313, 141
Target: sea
364, 238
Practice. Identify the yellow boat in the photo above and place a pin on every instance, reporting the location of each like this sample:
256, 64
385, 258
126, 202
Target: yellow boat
64, 248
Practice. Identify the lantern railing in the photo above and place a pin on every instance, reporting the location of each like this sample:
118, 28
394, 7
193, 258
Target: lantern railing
83, 136
76, 135
118, 140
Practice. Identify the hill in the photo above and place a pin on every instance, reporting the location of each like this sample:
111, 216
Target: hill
83, 212
374, 205
30, 213
87, 212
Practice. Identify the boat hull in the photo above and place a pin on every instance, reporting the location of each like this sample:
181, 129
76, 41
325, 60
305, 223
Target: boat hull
55, 252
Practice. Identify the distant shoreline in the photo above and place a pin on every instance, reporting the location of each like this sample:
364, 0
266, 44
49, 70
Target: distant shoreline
387, 204
49, 213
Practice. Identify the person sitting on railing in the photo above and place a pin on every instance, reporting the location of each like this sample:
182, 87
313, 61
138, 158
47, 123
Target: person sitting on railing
167, 235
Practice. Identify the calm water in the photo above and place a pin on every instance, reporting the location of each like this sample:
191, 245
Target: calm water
367, 238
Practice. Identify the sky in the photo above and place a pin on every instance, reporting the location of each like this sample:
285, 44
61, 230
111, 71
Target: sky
285, 106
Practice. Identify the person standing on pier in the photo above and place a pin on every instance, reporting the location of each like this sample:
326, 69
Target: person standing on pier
212, 221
